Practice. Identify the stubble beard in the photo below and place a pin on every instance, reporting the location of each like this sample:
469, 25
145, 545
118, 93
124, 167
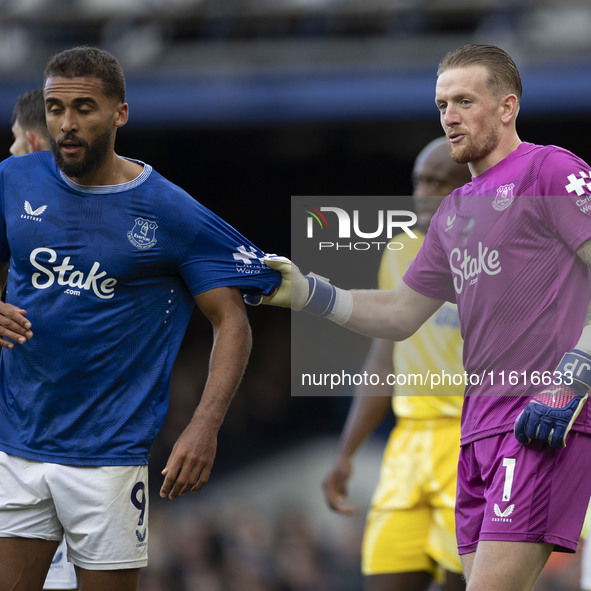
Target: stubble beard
475, 151
94, 155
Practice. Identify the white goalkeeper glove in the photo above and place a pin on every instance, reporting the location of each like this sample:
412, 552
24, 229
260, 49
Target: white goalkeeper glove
291, 293
307, 293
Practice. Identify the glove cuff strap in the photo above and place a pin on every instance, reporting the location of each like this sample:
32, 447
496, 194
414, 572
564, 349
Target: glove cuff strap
321, 296
326, 300
576, 365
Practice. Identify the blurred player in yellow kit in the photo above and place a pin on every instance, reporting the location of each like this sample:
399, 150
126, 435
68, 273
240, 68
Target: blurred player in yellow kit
409, 538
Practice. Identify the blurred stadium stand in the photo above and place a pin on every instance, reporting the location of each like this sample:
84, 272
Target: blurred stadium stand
276, 60
244, 103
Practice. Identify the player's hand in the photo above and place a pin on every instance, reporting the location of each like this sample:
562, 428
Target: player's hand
190, 462
335, 487
550, 415
14, 326
291, 293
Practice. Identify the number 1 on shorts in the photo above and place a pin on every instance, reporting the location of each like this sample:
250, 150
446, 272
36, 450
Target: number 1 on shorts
509, 464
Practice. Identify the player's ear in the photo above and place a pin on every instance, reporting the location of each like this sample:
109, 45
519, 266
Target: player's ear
509, 107
121, 114
33, 141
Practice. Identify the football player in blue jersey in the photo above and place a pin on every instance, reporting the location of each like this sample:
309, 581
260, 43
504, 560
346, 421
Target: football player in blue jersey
29, 131
107, 261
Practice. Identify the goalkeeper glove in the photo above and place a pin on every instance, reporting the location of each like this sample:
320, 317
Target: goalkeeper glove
307, 293
292, 291
550, 414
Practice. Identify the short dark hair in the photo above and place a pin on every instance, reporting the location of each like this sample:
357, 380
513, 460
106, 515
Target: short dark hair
503, 75
89, 61
29, 111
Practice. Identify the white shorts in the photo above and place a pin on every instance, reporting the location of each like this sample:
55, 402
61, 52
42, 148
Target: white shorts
102, 511
61, 573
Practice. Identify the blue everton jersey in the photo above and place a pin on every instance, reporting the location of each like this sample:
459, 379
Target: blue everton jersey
106, 275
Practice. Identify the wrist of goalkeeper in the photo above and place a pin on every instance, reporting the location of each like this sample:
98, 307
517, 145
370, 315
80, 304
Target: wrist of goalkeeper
575, 371
326, 300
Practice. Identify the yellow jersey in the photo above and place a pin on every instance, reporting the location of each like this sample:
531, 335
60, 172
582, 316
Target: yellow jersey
434, 351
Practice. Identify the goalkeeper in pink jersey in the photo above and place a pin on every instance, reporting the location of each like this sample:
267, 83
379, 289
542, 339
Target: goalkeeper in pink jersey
513, 249
409, 536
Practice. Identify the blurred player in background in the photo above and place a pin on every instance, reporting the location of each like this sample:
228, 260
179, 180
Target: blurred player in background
28, 126
410, 532
29, 131
107, 262
513, 249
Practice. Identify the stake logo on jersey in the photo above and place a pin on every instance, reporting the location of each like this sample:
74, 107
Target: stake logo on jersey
33, 214
504, 197
143, 234
468, 267
67, 275
246, 260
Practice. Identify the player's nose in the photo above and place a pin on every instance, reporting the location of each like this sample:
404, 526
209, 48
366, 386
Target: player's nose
69, 122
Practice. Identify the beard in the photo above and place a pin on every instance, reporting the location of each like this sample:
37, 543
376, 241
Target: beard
94, 154
475, 150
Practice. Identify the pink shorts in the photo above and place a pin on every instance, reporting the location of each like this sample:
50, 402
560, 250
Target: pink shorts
522, 493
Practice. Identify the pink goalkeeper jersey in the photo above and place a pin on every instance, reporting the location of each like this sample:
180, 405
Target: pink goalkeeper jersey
503, 247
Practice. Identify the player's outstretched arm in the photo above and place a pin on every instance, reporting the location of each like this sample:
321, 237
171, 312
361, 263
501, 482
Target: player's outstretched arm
190, 463
368, 409
393, 315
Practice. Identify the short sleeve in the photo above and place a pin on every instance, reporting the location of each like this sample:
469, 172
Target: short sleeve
220, 256
567, 197
429, 273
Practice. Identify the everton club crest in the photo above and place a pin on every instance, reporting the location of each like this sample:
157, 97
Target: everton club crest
143, 234
504, 197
